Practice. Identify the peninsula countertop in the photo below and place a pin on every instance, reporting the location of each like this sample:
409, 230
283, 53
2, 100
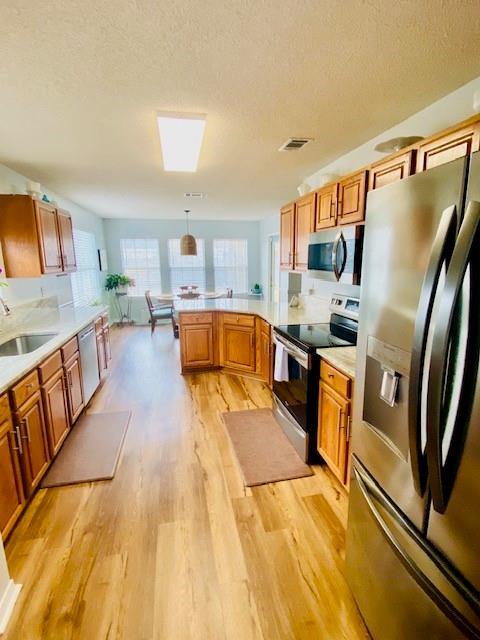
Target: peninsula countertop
274, 314
65, 323
342, 358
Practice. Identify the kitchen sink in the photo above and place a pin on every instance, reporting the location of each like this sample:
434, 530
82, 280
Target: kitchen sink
25, 343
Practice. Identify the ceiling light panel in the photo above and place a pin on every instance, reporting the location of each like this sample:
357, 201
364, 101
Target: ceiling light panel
181, 137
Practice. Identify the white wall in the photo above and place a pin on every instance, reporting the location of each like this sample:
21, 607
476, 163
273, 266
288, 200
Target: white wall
162, 230
20, 289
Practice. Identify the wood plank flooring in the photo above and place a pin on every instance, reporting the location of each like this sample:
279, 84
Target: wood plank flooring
175, 548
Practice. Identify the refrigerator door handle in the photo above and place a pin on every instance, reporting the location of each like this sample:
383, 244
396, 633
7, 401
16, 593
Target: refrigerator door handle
441, 253
443, 461
338, 271
372, 494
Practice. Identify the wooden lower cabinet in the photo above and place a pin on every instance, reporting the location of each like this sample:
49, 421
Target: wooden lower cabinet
11, 490
55, 404
264, 351
197, 346
237, 348
29, 423
333, 430
73, 377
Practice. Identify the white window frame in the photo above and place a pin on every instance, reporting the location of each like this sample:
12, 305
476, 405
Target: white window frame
186, 270
230, 264
141, 262
86, 287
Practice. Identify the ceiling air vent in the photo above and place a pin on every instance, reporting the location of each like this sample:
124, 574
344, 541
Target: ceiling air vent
194, 194
294, 143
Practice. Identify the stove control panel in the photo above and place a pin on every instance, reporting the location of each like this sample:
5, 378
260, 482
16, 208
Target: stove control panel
347, 306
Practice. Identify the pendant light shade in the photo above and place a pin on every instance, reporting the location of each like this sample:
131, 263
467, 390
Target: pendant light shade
188, 244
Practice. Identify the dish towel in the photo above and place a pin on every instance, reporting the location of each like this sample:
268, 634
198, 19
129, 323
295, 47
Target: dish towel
280, 371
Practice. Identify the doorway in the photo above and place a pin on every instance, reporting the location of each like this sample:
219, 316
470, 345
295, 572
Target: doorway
274, 268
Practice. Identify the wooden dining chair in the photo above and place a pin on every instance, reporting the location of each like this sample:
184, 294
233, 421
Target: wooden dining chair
160, 311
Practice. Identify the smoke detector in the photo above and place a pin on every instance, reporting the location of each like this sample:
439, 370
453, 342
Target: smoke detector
292, 144
198, 195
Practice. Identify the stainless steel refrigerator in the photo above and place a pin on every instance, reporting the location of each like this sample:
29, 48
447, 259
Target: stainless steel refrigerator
413, 537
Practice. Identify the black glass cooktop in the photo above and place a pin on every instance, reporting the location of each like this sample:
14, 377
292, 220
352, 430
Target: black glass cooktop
310, 337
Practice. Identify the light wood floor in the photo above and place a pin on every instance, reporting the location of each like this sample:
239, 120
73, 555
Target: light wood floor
175, 547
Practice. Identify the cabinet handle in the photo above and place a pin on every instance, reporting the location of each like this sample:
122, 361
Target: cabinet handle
27, 426
24, 423
331, 375
349, 424
69, 377
16, 435
339, 425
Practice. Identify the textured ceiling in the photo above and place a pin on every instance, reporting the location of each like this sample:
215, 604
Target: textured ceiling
81, 82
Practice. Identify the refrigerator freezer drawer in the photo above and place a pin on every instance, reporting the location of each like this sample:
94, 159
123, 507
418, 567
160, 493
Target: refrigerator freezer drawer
400, 590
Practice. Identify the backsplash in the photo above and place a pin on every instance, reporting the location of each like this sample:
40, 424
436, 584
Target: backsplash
25, 312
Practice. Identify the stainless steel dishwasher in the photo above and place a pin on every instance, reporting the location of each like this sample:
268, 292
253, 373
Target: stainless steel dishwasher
89, 360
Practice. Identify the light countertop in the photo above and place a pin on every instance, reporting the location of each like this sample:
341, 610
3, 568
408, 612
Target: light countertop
274, 314
342, 358
65, 323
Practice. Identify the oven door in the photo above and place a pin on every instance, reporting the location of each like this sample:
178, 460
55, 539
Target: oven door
293, 394
336, 254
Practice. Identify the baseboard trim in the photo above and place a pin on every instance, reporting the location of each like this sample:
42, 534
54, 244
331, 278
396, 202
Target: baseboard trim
7, 603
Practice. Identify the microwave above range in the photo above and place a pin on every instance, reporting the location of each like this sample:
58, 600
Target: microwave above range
336, 254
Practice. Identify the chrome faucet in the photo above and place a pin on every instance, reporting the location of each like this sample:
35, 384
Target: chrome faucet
5, 307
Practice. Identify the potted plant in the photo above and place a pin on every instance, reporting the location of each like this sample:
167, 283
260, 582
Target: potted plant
118, 282
256, 289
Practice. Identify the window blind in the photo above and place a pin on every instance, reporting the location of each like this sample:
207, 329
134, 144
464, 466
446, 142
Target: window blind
86, 279
186, 270
230, 263
141, 261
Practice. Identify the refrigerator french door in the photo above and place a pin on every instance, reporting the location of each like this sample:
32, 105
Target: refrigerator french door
413, 538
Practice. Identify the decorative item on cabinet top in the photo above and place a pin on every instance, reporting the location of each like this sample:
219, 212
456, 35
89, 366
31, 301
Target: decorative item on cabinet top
37, 237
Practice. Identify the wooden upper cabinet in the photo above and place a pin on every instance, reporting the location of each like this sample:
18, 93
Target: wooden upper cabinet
391, 170
65, 229
326, 207
36, 238
351, 198
49, 237
287, 236
11, 490
304, 225
448, 146
332, 438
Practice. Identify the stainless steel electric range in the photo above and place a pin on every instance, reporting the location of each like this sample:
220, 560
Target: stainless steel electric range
295, 399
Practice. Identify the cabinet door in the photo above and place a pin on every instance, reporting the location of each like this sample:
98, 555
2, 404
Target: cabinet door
238, 347
304, 225
11, 490
196, 345
106, 339
326, 207
49, 239
55, 405
66, 241
287, 231
332, 437
448, 147
101, 354
74, 387
265, 356
35, 457
391, 170
351, 199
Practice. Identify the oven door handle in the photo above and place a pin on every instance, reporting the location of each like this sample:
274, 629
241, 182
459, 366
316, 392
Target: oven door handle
297, 355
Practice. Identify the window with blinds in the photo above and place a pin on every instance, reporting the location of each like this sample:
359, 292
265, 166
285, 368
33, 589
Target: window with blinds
141, 262
85, 280
230, 263
186, 270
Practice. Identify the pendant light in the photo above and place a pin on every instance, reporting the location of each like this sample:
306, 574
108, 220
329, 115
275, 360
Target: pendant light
188, 244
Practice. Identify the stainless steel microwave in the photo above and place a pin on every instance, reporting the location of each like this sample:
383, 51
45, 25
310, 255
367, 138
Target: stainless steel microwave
336, 254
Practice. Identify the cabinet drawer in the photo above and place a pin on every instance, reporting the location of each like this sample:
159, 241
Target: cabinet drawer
24, 389
196, 318
4, 408
338, 381
69, 348
240, 319
50, 366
